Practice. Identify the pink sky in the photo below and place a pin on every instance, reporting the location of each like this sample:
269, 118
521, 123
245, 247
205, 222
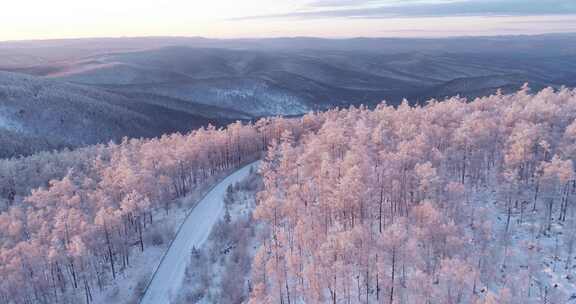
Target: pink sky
31, 19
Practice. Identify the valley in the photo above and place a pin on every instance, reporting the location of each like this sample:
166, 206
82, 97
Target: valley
102, 90
173, 170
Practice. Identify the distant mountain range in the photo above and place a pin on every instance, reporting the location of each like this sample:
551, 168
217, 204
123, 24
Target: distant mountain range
67, 93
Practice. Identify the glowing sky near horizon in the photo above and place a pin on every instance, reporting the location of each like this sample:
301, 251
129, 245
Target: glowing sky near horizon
39, 19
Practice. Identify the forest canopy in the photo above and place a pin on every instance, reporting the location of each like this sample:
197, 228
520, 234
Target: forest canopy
406, 204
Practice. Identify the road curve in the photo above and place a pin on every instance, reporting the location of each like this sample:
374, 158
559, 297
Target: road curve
196, 228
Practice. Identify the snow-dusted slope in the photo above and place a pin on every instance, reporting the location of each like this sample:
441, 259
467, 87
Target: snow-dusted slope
43, 114
37, 113
264, 83
193, 232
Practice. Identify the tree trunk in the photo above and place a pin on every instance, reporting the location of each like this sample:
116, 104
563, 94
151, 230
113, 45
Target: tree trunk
110, 255
393, 274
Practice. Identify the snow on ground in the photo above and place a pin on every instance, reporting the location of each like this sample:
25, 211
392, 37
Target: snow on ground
219, 271
193, 233
225, 250
9, 124
524, 250
131, 282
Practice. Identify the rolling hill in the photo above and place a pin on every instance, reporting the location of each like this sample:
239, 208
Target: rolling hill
95, 90
42, 114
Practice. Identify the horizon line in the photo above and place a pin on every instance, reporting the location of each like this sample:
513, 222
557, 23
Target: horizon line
283, 37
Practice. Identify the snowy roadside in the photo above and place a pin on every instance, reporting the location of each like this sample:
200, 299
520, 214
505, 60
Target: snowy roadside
129, 286
218, 271
166, 281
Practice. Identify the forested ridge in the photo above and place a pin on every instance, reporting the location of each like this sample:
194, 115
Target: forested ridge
455, 201
71, 220
450, 202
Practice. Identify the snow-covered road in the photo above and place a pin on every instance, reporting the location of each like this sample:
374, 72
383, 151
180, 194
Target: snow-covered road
194, 231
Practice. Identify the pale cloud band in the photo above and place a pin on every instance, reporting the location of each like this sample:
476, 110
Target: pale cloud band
427, 18
414, 8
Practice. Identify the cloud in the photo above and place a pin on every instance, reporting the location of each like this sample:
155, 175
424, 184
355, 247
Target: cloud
361, 3
413, 8
569, 21
339, 3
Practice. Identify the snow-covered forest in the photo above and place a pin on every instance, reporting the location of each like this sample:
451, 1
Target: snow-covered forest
70, 221
451, 202
455, 201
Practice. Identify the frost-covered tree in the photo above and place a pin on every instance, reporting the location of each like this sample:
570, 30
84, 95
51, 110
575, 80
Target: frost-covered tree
423, 204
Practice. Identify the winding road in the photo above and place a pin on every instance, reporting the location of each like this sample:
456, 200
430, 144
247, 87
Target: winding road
168, 278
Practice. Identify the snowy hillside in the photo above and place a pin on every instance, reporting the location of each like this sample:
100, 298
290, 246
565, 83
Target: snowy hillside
455, 201
158, 85
452, 202
296, 80
54, 115
40, 114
